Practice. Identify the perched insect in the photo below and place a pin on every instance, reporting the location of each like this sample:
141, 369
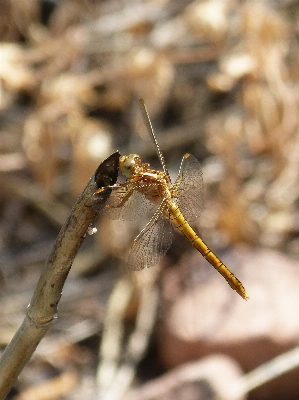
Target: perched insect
176, 204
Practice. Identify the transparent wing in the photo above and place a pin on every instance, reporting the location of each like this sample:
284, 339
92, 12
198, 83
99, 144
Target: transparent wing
189, 188
126, 204
152, 243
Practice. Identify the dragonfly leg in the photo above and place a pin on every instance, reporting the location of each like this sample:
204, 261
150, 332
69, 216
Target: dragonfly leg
116, 187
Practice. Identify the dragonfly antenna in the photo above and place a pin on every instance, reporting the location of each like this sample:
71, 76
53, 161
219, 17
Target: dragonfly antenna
149, 126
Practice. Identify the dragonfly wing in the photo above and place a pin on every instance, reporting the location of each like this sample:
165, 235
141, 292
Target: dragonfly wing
189, 188
152, 243
126, 204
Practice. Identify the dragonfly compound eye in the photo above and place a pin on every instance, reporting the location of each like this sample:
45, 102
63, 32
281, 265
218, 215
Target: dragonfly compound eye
127, 164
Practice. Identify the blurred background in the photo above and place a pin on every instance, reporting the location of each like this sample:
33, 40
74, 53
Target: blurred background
220, 80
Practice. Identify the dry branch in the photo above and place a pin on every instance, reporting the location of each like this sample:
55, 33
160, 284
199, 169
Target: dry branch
43, 306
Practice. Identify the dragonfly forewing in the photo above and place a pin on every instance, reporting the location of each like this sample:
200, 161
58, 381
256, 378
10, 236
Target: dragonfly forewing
126, 204
188, 188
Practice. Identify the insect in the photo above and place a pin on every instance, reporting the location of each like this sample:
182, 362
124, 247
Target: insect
176, 204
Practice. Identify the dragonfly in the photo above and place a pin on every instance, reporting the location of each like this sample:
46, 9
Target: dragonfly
176, 204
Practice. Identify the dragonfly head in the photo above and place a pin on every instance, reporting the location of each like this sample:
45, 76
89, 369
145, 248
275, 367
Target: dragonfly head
127, 164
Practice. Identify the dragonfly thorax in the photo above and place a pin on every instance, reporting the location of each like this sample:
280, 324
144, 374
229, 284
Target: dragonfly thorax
154, 185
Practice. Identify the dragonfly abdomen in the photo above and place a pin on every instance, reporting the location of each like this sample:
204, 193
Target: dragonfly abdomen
179, 221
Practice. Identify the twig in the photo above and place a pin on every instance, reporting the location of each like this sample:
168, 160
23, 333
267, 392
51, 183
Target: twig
111, 350
265, 373
136, 347
43, 306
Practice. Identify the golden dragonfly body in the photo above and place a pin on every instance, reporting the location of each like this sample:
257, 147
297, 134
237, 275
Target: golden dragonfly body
176, 204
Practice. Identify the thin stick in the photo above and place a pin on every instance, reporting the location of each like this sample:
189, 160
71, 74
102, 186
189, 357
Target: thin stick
265, 373
43, 306
113, 334
149, 127
123, 374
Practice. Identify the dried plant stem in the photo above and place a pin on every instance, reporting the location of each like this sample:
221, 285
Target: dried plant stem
43, 306
113, 332
265, 373
122, 374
